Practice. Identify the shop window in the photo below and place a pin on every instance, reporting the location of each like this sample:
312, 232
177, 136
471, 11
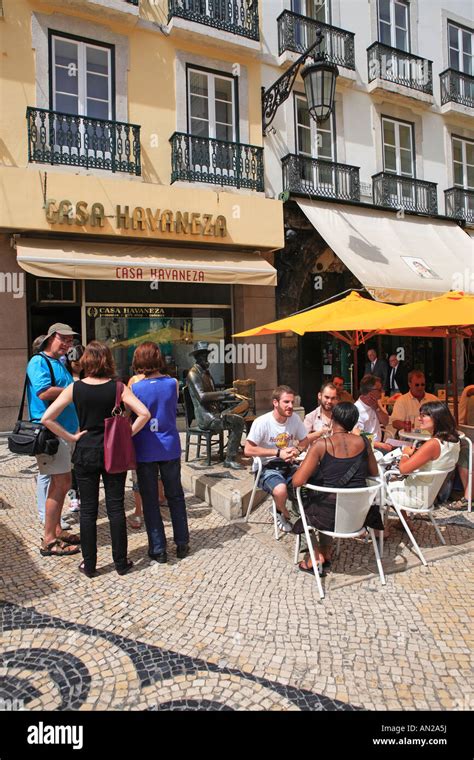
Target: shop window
55, 291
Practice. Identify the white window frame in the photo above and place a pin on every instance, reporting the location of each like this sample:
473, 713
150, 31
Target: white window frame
82, 73
314, 133
301, 7
393, 27
464, 142
398, 124
211, 98
460, 48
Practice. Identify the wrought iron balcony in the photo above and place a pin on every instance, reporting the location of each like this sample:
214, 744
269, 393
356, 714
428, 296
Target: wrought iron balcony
394, 191
317, 177
399, 67
236, 16
459, 203
457, 87
204, 159
297, 33
61, 138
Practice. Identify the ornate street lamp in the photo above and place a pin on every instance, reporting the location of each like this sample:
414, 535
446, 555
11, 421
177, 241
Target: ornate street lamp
319, 79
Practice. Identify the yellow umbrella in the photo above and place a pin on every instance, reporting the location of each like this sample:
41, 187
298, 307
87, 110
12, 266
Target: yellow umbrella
446, 315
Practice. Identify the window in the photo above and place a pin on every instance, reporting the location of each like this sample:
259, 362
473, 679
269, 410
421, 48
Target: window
398, 148
55, 291
461, 44
463, 163
81, 78
320, 10
211, 105
393, 20
315, 141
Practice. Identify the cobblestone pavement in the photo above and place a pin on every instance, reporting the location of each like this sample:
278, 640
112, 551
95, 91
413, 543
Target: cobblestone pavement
234, 626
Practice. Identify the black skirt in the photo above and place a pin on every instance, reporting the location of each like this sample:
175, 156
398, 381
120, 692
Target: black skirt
320, 515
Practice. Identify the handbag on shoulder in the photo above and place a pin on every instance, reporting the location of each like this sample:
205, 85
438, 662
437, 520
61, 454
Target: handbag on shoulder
119, 451
31, 438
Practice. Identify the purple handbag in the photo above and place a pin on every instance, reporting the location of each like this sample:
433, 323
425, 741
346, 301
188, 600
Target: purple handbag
119, 451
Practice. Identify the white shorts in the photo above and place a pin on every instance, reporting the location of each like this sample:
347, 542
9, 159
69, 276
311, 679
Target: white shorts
60, 463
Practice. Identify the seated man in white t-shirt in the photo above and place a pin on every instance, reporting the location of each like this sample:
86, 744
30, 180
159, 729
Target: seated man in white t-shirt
371, 415
277, 438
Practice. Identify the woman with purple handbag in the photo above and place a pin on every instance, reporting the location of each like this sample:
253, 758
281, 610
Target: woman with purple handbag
104, 448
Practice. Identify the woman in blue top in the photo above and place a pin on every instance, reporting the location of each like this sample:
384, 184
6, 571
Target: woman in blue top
158, 447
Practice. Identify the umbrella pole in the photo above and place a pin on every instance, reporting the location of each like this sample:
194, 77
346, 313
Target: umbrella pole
446, 369
355, 372
455, 378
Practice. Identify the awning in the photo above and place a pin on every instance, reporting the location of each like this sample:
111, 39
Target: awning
399, 260
137, 263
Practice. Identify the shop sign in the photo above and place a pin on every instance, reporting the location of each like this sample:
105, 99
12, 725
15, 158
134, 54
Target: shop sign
163, 275
137, 218
125, 311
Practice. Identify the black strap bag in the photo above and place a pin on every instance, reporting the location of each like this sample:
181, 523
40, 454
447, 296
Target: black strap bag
31, 438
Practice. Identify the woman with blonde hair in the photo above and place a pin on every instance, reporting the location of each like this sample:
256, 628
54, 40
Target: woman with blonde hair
94, 399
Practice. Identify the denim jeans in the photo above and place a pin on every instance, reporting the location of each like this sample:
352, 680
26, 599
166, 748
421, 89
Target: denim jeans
147, 474
114, 486
42, 488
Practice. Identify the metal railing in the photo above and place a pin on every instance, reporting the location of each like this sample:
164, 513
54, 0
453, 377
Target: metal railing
317, 177
219, 162
297, 33
60, 138
459, 203
400, 67
235, 16
395, 191
457, 87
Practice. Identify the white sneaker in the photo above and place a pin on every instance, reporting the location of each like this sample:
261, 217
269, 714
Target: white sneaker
74, 505
282, 522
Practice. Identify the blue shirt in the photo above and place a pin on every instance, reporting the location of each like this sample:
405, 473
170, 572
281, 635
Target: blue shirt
159, 440
39, 380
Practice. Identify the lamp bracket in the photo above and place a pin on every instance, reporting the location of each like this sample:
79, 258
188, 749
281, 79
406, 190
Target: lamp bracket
279, 91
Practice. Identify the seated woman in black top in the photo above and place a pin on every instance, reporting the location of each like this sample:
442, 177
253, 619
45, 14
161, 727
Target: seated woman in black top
342, 460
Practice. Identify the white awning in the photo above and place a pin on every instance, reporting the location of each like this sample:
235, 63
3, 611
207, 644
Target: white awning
398, 260
138, 263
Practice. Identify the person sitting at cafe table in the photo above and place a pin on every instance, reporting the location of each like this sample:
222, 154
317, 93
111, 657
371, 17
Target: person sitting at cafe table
463, 405
407, 407
277, 437
319, 421
371, 414
342, 394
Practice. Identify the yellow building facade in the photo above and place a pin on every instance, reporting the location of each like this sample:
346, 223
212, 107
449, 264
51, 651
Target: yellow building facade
131, 180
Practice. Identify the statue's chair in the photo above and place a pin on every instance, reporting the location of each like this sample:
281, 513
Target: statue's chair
199, 433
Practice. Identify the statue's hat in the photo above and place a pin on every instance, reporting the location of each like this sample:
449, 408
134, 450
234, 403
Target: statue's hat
199, 347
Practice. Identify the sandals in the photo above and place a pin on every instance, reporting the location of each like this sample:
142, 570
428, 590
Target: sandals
62, 548
457, 506
305, 569
135, 521
70, 538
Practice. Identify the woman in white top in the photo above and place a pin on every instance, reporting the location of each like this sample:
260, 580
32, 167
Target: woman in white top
441, 451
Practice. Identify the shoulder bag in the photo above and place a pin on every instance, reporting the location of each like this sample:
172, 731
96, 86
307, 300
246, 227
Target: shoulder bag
119, 451
32, 438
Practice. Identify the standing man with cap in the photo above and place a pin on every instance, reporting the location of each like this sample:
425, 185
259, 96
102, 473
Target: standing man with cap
47, 378
207, 408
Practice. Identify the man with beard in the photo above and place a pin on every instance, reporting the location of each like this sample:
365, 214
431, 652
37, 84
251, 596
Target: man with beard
318, 423
277, 438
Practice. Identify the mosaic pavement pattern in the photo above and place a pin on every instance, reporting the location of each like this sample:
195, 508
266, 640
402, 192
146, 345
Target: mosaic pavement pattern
234, 626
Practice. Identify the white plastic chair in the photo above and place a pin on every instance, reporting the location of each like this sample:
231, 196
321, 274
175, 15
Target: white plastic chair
252, 498
352, 506
467, 432
417, 497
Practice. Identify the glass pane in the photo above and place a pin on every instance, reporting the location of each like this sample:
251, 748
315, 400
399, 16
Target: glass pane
67, 79
470, 176
224, 132
405, 137
458, 174
470, 153
467, 42
97, 109
199, 107
302, 114
65, 52
325, 145
385, 37
453, 59
199, 128
401, 15
304, 140
389, 132
406, 162
390, 159
457, 150
97, 60
67, 104
223, 89
401, 39
453, 36
467, 64
224, 112
198, 83
384, 10
97, 87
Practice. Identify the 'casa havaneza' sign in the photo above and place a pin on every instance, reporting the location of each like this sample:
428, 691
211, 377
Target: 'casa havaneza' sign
137, 218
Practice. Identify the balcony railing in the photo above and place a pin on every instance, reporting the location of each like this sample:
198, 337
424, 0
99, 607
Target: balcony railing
460, 203
236, 16
60, 138
457, 87
297, 33
394, 191
324, 179
204, 159
399, 67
